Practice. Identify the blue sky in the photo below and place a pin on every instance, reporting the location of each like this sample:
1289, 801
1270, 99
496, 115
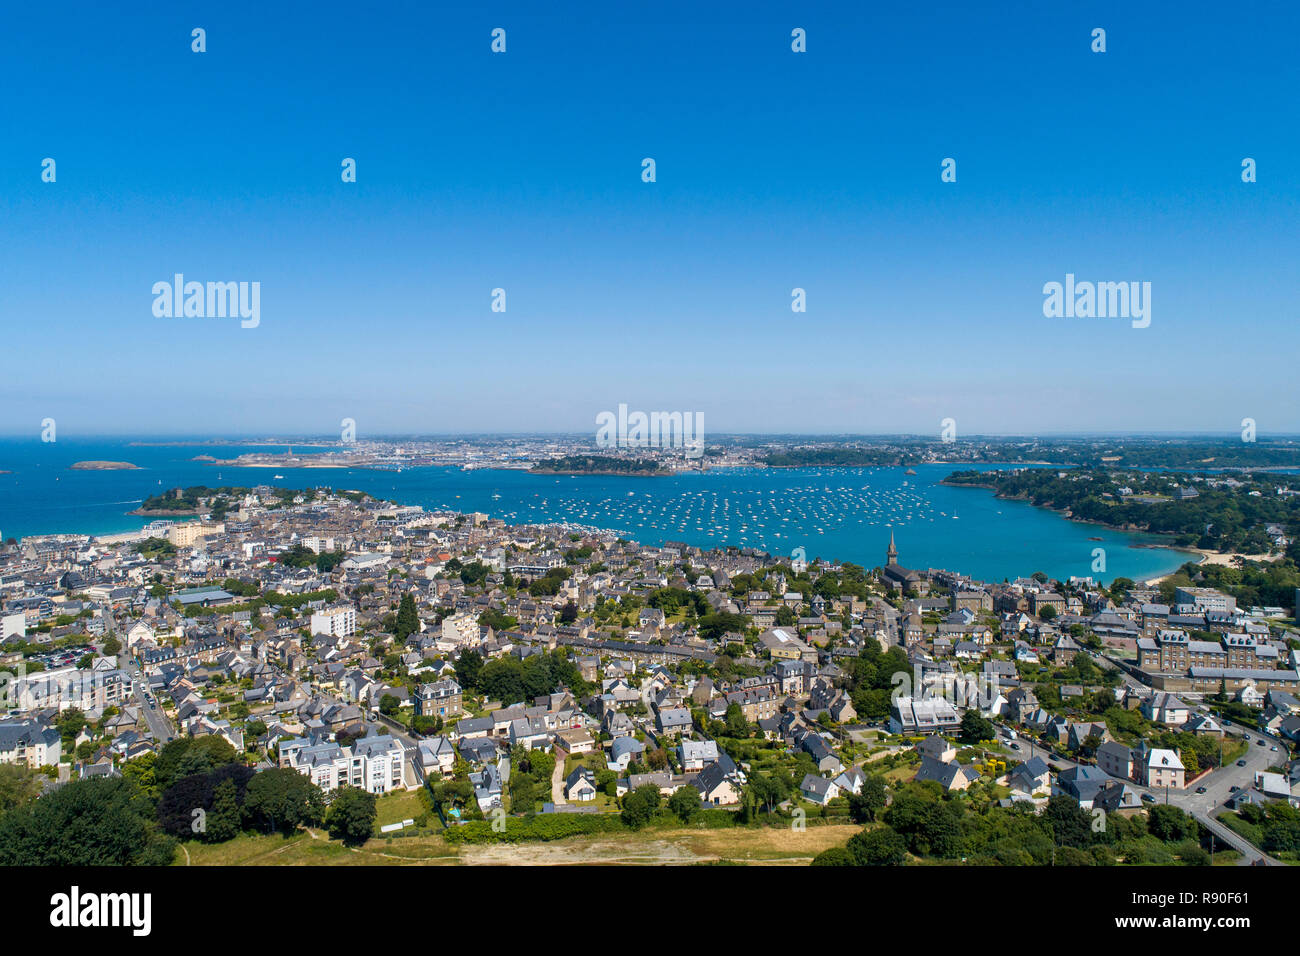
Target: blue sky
775, 170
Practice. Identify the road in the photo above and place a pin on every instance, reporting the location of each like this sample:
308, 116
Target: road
409, 745
159, 725
1218, 787
1218, 784
557, 778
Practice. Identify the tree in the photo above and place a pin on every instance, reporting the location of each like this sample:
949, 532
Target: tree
685, 802
640, 806
1170, 824
351, 816
468, 666
1071, 824
607, 782
98, 821
975, 728
69, 724
541, 765
224, 819
283, 799
737, 725
186, 756
1046, 612
881, 847
178, 803
864, 806
835, 856
388, 705
523, 793
408, 619
18, 787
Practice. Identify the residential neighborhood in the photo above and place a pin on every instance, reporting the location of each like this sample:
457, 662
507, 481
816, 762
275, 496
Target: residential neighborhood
494, 672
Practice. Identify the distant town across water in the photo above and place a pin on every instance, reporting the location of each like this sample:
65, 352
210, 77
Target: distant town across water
838, 513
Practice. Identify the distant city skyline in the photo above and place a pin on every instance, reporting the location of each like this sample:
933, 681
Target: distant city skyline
720, 435
775, 171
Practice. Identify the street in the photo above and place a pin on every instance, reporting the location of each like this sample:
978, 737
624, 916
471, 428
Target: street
159, 725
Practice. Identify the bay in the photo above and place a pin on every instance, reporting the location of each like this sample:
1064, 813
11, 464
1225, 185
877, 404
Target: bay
844, 514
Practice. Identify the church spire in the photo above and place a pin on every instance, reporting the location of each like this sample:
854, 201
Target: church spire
891, 556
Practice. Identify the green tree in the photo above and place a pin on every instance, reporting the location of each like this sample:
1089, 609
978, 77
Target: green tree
351, 816
737, 725
99, 821
835, 856
685, 803
870, 801
975, 728
523, 793
283, 799
641, 805
880, 847
186, 756
1170, 824
1071, 824
408, 619
69, 723
18, 787
224, 819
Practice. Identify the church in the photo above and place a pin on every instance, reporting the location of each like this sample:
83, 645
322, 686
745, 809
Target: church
898, 577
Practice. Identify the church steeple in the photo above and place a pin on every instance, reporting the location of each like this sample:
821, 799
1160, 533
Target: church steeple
891, 556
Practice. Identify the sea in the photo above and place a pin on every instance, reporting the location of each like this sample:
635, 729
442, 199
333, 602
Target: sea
840, 514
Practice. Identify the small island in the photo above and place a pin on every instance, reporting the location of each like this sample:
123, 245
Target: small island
103, 466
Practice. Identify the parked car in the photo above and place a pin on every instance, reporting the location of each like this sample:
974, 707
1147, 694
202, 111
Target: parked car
1016, 746
1148, 798
1241, 763
1200, 789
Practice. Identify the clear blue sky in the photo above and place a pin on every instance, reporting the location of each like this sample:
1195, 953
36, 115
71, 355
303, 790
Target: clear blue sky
775, 170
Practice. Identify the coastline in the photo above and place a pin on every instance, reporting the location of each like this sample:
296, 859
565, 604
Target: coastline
1225, 559
439, 493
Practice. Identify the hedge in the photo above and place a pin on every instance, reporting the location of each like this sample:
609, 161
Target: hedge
545, 827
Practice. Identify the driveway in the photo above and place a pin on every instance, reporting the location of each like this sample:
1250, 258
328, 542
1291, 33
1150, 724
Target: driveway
557, 778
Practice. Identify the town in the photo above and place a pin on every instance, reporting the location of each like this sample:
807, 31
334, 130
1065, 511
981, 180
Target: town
291, 660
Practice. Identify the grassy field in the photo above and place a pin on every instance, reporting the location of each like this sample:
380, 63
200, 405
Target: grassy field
398, 806
655, 847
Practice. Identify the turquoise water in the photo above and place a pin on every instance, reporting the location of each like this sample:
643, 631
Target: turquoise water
841, 513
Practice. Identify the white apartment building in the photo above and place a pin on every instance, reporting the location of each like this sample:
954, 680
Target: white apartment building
1204, 599
26, 742
373, 764
459, 630
184, 533
13, 625
88, 690
337, 621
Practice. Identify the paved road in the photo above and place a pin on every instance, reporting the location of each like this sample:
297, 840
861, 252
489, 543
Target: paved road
409, 745
159, 725
1218, 786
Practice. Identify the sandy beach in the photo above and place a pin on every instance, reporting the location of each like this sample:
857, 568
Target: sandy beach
1224, 558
